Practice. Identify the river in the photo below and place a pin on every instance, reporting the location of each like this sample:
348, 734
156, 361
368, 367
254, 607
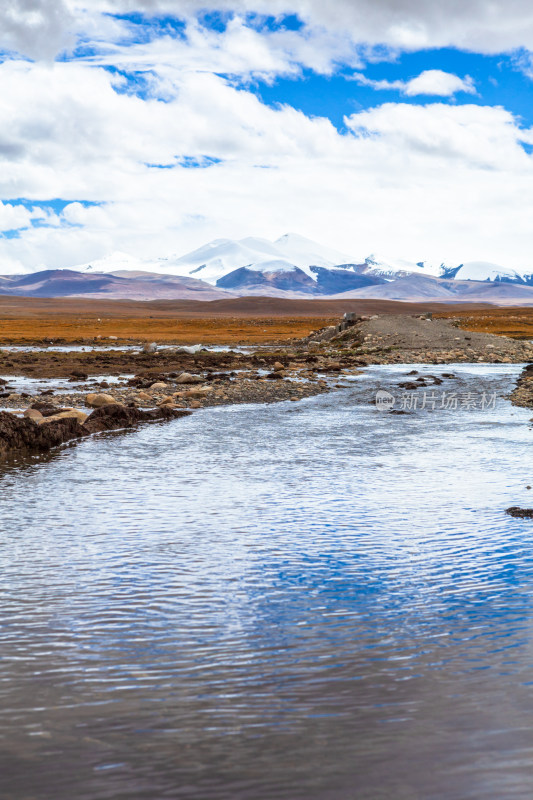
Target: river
314, 600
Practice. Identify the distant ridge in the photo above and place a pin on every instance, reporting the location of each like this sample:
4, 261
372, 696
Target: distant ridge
291, 266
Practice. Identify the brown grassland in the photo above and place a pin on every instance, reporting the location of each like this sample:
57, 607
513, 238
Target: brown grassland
254, 321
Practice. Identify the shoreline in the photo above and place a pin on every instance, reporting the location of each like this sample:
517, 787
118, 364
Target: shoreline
125, 388
44, 426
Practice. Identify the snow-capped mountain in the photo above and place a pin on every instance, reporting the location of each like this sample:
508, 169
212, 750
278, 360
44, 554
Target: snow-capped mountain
392, 268
486, 271
294, 265
220, 257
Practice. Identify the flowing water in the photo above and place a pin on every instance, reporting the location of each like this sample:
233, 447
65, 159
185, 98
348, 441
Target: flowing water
310, 600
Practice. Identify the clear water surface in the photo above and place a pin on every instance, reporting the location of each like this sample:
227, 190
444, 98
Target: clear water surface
307, 600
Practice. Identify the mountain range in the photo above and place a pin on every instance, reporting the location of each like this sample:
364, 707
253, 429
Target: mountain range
291, 266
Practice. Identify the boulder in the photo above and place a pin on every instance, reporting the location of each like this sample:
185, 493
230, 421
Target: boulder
186, 377
522, 513
100, 400
32, 413
150, 348
198, 393
45, 409
18, 433
159, 387
81, 416
114, 417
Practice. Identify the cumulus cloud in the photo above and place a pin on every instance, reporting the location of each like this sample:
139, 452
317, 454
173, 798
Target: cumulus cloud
406, 24
239, 50
430, 82
432, 181
428, 181
38, 27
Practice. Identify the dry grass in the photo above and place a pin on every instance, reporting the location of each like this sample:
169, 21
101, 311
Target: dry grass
258, 320
183, 331
517, 323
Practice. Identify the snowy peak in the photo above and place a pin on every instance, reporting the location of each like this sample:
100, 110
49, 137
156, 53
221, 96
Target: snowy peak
114, 261
486, 271
298, 264
306, 253
391, 268
222, 256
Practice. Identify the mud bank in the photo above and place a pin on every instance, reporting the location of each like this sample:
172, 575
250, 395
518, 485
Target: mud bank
31, 436
523, 394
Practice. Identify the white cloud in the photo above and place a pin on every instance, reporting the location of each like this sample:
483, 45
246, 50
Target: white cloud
13, 217
407, 24
239, 50
435, 181
438, 83
430, 82
39, 28
36, 28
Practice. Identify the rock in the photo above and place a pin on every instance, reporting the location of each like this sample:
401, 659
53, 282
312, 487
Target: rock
32, 413
77, 373
18, 433
100, 400
81, 416
278, 366
201, 391
143, 397
192, 349
159, 387
522, 513
114, 417
45, 409
150, 348
186, 377
195, 404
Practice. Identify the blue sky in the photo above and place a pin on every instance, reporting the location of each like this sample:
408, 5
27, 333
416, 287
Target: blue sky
152, 127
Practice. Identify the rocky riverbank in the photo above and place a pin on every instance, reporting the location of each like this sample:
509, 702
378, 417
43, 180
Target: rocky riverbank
40, 431
52, 416
158, 382
523, 393
179, 379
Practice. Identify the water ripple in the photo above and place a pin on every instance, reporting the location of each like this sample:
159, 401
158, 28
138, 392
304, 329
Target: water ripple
310, 600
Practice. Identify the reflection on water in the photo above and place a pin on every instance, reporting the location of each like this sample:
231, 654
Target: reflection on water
312, 600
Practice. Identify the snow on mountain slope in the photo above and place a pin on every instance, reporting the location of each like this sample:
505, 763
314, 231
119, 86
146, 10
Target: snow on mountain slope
222, 256
305, 253
392, 268
236, 260
485, 271
117, 261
